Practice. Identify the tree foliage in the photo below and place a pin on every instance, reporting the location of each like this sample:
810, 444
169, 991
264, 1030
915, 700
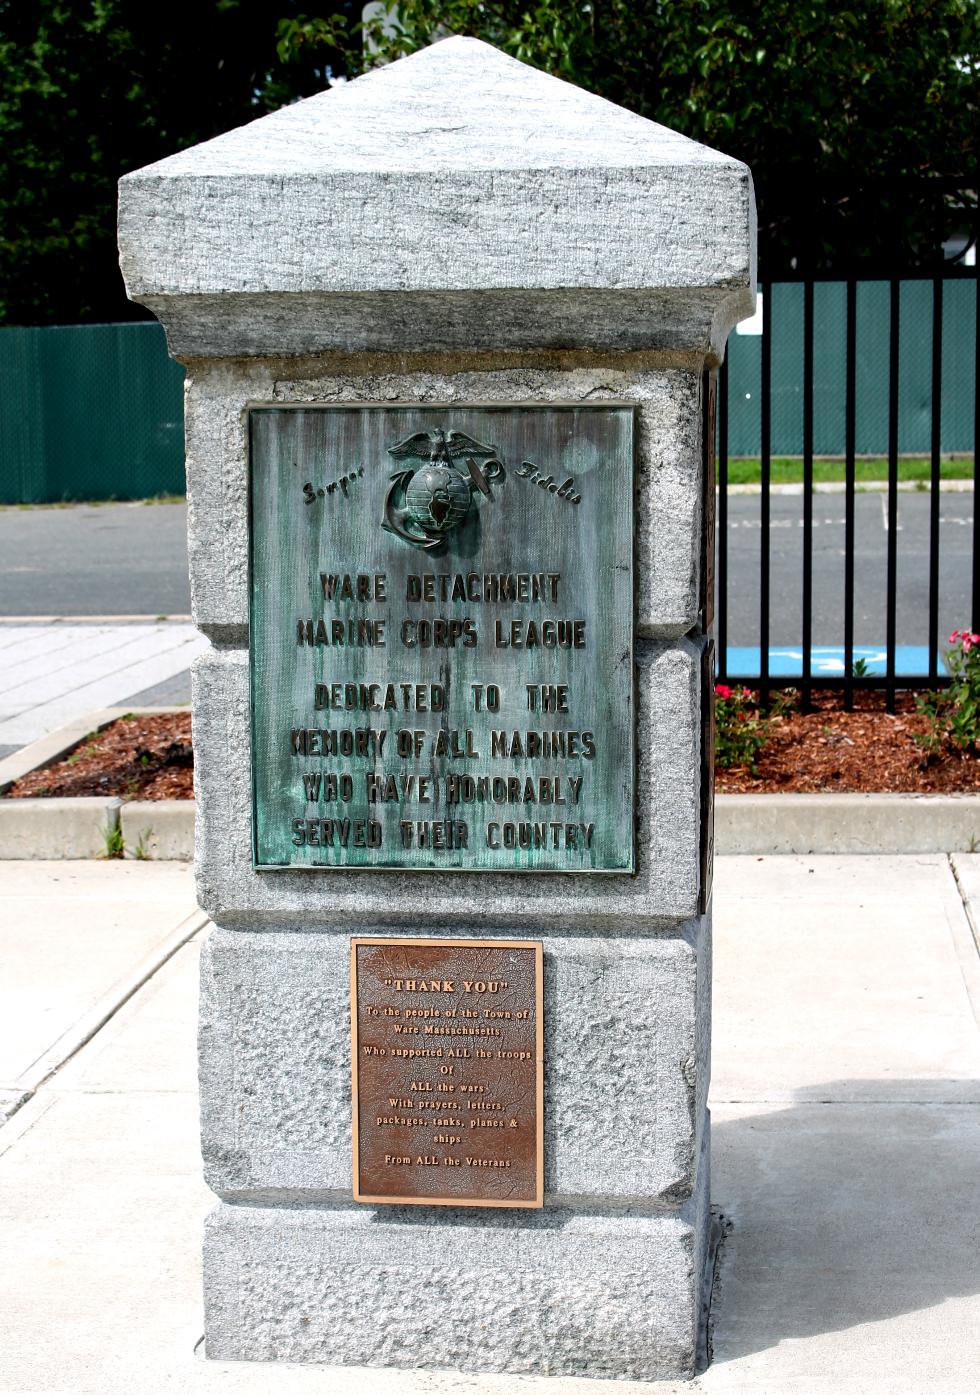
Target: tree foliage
90, 89
859, 120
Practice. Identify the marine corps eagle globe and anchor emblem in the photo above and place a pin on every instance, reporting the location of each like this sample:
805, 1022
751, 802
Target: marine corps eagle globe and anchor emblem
427, 500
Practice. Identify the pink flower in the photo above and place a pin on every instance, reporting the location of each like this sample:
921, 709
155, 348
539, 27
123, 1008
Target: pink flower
722, 691
954, 636
746, 693
975, 639
967, 644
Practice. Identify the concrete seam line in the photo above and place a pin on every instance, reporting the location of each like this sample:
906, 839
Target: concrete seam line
966, 944
965, 900
29, 1112
92, 1022
12, 1106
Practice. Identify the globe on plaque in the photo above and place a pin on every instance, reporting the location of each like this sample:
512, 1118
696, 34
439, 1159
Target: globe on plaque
437, 498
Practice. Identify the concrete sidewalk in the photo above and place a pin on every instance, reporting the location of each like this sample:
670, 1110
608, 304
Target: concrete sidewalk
53, 671
846, 1139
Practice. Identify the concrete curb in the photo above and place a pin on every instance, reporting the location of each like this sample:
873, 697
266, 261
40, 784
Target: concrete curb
159, 829
860, 487
761, 824
32, 829
847, 823
81, 827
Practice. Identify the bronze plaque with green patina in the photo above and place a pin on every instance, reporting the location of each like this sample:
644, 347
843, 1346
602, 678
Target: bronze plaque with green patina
448, 1072
441, 637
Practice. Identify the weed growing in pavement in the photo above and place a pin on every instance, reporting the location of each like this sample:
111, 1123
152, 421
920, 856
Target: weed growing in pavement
953, 713
142, 850
742, 728
115, 845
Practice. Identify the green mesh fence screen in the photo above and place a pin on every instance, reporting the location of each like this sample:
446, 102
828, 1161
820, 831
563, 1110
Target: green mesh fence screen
89, 412
871, 378
96, 412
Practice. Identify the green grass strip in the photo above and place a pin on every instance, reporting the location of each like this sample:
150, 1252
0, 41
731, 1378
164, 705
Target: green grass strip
790, 471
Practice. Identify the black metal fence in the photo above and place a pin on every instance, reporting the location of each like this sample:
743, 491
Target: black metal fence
925, 343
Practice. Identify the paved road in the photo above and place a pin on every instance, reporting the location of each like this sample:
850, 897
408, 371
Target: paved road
103, 561
107, 559
130, 559
871, 536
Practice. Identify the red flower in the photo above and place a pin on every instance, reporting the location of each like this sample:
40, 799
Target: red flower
722, 691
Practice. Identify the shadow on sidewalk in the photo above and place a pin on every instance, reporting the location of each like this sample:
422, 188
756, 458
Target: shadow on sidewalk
845, 1213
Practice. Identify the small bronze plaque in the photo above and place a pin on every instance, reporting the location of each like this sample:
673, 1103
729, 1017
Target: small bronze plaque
448, 1072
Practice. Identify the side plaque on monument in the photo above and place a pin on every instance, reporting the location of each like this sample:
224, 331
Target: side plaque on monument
448, 1071
442, 638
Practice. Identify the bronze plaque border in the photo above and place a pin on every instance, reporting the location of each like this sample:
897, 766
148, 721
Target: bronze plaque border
443, 942
628, 504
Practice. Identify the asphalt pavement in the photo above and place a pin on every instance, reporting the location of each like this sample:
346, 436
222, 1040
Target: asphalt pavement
94, 559
870, 563
95, 610
131, 559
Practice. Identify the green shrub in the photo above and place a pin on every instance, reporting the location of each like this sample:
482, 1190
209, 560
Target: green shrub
741, 727
953, 713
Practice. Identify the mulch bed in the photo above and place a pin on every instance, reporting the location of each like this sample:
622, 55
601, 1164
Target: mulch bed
868, 750
135, 758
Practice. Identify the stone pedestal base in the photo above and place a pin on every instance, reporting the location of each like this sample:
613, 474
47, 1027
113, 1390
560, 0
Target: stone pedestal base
556, 1292
606, 1281
626, 1023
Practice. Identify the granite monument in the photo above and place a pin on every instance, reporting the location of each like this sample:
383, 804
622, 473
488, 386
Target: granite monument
450, 333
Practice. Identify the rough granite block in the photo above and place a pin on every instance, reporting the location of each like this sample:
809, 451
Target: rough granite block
625, 1066
669, 478
541, 247
550, 1293
666, 886
457, 197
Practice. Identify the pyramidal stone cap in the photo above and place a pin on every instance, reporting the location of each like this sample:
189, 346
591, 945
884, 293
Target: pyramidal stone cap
455, 199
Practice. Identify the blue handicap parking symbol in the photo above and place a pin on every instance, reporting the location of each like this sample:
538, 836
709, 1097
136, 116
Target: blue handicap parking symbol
827, 661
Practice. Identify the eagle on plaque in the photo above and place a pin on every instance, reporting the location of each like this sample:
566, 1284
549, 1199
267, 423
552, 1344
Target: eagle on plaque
430, 498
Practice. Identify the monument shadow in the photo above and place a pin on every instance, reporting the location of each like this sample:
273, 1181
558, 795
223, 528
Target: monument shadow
833, 1220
